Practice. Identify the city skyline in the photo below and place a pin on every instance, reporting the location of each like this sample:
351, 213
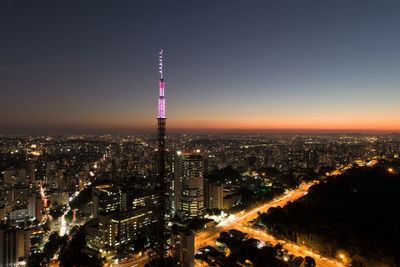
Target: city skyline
232, 67
199, 133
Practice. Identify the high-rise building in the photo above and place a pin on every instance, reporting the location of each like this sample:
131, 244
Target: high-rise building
219, 196
9, 177
107, 199
20, 195
17, 216
14, 176
2, 209
189, 185
56, 179
183, 244
7, 196
214, 194
14, 246
122, 228
35, 207
111, 228
140, 198
31, 171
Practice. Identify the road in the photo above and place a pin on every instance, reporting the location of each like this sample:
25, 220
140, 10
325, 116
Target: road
133, 262
208, 237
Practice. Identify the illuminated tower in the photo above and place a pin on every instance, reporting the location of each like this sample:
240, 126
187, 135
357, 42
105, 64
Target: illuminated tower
161, 99
161, 177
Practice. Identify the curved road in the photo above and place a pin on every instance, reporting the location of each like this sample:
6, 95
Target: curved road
209, 236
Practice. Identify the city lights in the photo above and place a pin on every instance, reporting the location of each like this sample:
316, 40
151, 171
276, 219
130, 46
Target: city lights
281, 148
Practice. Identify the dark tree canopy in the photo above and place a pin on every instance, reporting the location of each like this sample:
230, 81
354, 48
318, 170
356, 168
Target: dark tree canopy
343, 210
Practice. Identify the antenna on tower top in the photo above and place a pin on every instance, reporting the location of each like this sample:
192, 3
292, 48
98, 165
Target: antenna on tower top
160, 64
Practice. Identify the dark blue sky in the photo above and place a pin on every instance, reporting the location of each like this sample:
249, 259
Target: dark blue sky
85, 65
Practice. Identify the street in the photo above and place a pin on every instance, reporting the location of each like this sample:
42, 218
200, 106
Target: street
209, 236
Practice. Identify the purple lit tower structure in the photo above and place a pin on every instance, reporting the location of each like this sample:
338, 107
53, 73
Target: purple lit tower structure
161, 177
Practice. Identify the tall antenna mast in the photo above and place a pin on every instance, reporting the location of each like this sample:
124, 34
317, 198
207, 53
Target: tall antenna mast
160, 63
161, 99
161, 243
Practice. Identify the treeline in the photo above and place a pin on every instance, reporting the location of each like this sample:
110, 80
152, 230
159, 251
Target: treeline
351, 217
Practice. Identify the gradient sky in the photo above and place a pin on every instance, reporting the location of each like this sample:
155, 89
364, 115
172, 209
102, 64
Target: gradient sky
82, 65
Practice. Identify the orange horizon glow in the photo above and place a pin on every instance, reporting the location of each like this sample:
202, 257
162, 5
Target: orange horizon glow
241, 124
192, 120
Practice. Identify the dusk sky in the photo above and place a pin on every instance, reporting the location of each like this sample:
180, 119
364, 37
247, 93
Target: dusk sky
91, 65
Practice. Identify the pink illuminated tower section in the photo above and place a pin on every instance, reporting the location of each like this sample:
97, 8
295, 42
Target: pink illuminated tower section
161, 99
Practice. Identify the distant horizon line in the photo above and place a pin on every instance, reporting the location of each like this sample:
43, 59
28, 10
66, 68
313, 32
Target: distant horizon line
127, 131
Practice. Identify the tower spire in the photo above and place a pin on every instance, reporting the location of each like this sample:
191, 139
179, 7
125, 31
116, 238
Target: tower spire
161, 99
161, 244
160, 63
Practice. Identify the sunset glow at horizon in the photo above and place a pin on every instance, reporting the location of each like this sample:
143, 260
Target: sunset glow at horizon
259, 66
